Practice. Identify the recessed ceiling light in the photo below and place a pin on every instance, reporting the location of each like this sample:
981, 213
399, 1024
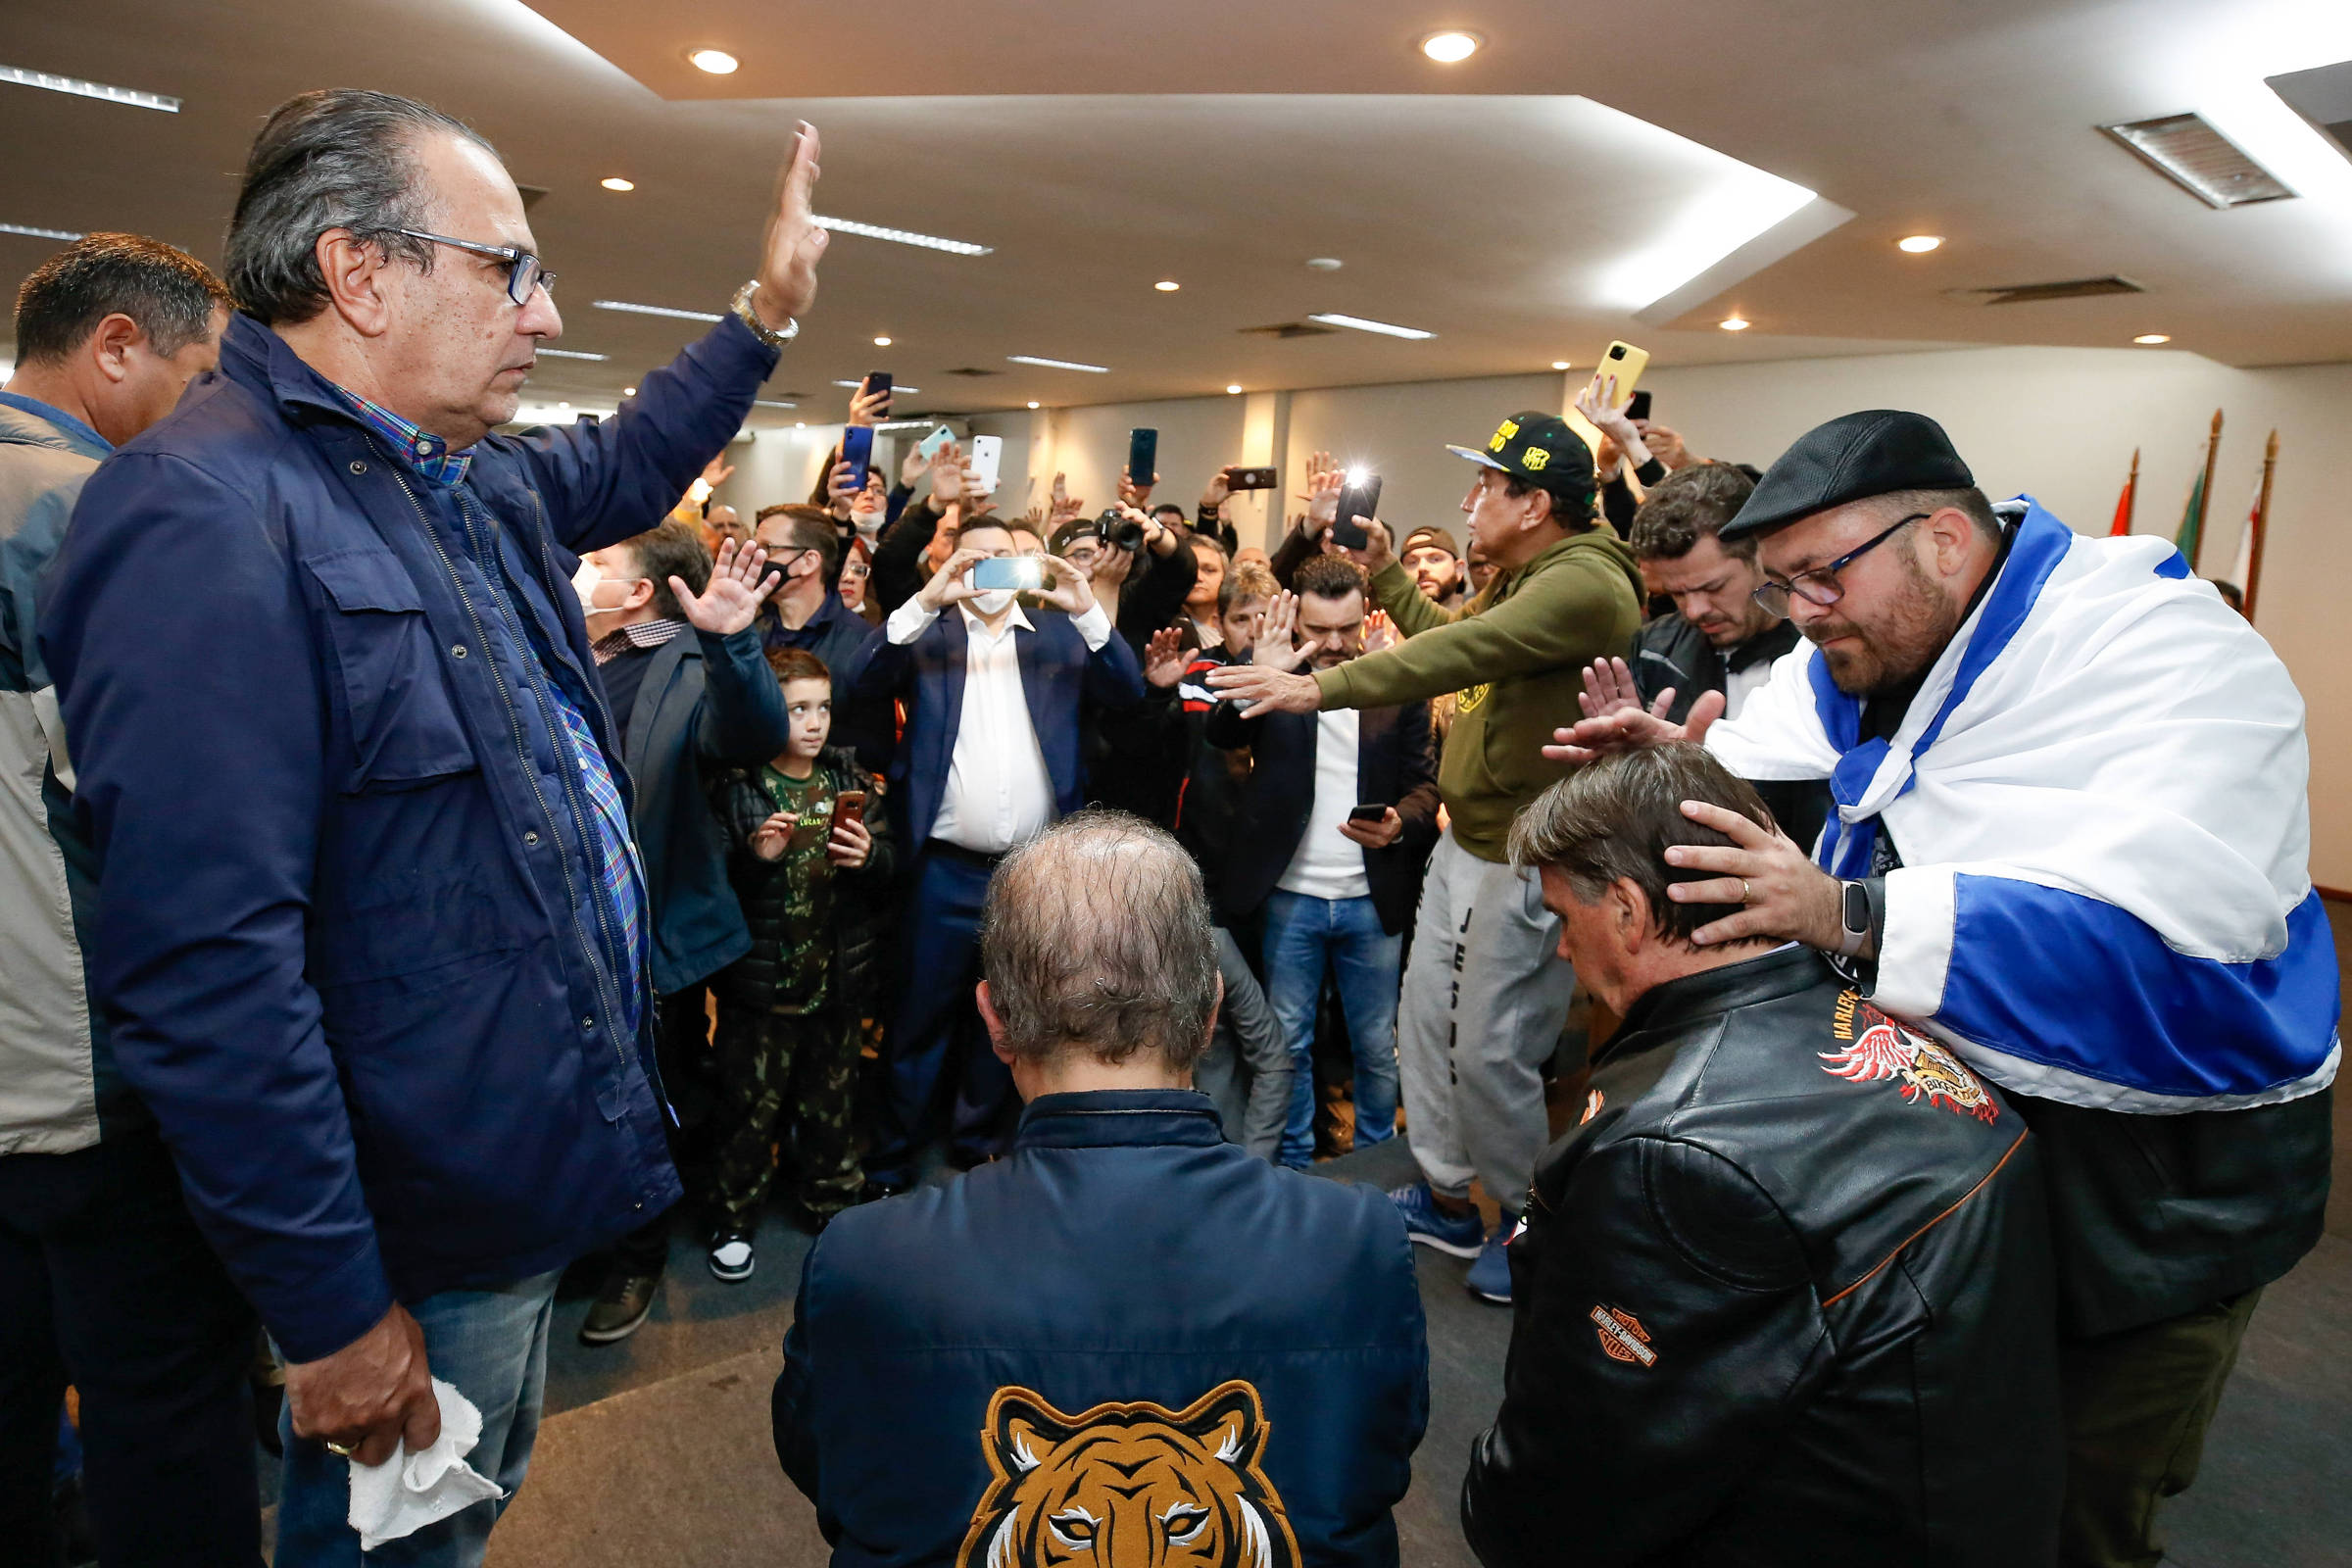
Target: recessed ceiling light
1919, 244
895, 389
1734, 323
1559, 365
718, 62
571, 354
30, 232
1325, 264
800, 425
1057, 364
771, 403
563, 405
902, 236
2153, 337
1233, 389
1451, 48
628, 391
656, 310
1360, 324
1033, 403
881, 342
615, 182
1167, 286
89, 89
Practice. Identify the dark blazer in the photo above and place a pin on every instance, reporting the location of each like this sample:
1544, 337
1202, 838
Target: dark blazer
705, 701
1057, 674
1124, 1284
337, 934
1394, 767
1783, 1297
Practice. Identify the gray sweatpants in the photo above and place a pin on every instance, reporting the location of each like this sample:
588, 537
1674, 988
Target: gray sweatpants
1485, 996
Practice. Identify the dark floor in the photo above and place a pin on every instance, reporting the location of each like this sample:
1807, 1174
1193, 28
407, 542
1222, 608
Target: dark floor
657, 1449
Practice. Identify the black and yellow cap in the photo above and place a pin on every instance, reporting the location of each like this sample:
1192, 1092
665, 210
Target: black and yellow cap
1540, 449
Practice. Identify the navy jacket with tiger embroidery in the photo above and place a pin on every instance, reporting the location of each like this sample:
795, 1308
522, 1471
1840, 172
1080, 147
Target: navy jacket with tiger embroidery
1785, 1297
1128, 1341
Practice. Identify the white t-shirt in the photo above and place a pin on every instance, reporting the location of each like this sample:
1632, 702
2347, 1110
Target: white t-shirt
1328, 864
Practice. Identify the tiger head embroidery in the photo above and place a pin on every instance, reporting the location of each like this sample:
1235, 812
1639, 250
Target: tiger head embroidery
1129, 1486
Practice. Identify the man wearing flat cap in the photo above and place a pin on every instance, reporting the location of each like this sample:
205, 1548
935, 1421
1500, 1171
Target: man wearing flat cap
2070, 838
1484, 997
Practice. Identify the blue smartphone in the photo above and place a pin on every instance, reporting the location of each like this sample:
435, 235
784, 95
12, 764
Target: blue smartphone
1143, 457
930, 444
857, 451
1008, 571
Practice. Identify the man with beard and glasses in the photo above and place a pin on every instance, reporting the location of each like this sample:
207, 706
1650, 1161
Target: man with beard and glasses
2071, 841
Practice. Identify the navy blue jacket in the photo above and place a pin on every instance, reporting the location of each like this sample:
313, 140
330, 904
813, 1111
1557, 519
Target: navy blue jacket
704, 698
1127, 1313
342, 935
1058, 675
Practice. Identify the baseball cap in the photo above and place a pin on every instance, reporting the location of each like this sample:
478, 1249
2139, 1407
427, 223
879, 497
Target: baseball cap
1851, 458
1430, 534
1539, 449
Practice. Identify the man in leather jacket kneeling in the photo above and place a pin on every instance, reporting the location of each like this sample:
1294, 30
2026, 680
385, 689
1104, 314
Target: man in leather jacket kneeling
1784, 1295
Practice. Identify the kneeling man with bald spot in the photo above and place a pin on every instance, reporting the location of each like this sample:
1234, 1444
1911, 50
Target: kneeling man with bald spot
1129, 1340
1784, 1295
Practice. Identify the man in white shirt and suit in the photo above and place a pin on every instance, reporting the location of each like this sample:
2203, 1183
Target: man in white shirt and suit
989, 759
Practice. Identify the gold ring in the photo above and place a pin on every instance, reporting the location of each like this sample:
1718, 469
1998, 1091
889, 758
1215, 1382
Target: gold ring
1744, 895
340, 1450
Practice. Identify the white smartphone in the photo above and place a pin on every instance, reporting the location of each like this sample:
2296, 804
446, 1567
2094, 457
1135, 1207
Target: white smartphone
988, 451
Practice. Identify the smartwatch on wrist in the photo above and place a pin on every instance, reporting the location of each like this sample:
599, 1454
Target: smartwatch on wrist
1853, 907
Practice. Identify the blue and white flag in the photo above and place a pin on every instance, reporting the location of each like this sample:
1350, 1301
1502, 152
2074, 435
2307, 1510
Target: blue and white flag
2100, 795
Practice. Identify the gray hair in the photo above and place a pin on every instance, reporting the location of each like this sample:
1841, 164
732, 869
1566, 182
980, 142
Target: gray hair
1096, 937
338, 158
1614, 819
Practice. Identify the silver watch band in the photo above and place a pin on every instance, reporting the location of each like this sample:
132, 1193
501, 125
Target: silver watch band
774, 337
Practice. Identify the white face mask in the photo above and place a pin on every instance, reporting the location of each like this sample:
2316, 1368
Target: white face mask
993, 602
584, 584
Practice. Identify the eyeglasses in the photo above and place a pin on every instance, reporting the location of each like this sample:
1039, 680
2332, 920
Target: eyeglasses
1820, 586
523, 272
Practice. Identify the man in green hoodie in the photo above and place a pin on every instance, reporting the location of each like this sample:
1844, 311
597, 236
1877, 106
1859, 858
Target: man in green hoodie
1484, 996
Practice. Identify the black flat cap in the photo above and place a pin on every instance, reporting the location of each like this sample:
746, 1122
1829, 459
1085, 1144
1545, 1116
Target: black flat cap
1853, 457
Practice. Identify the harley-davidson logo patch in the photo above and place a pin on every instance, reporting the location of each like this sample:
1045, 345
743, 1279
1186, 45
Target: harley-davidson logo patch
1884, 1049
1622, 1336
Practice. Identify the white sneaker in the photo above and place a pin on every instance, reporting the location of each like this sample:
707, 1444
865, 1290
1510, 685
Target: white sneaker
731, 1258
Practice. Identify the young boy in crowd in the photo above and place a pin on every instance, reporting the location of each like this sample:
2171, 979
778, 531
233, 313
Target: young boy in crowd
811, 864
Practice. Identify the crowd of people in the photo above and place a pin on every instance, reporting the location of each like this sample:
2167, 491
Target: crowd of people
443, 853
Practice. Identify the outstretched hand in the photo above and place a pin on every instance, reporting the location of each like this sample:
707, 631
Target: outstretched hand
1277, 646
1164, 659
1624, 724
731, 598
795, 244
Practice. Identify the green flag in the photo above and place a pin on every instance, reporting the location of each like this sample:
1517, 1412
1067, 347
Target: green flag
2193, 518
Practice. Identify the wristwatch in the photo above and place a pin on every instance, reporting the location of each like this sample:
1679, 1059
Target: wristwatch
750, 318
1853, 905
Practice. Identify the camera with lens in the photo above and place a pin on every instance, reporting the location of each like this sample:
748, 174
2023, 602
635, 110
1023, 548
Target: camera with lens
1120, 532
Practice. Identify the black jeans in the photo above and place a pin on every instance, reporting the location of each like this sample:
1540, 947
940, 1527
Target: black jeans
106, 1283
689, 1077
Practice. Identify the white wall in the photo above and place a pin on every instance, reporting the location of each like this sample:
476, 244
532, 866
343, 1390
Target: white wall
2059, 423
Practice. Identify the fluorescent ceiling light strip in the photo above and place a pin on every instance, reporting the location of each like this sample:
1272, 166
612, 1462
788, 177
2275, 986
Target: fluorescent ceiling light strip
31, 233
855, 385
901, 236
656, 310
906, 425
1057, 364
1358, 323
571, 354
89, 89
771, 403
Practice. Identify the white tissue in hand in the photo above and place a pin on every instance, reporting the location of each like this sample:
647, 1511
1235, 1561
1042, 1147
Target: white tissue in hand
410, 1491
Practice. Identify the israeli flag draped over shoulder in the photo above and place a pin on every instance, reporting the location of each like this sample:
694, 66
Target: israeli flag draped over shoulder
2100, 794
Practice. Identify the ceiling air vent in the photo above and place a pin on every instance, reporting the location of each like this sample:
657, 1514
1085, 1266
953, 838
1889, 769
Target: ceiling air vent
1289, 329
2075, 288
2324, 97
2200, 160
975, 370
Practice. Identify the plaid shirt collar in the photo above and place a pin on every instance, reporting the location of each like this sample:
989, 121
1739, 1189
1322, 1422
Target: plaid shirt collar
427, 453
642, 635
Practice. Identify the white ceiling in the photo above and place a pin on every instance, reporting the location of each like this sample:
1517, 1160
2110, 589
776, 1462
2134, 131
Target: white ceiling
1509, 204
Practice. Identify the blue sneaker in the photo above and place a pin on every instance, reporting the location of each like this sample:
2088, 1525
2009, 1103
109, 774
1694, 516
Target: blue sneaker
1431, 1226
1490, 1278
